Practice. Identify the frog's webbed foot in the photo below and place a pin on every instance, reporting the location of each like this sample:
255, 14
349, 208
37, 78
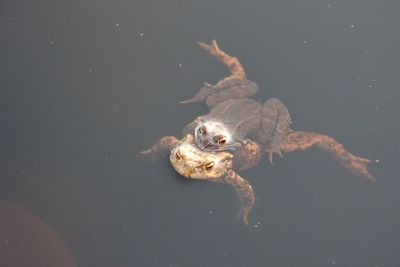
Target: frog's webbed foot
232, 63
304, 140
244, 193
166, 143
275, 123
234, 86
271, 152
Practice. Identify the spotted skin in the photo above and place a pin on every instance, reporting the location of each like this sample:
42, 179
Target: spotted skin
304, 140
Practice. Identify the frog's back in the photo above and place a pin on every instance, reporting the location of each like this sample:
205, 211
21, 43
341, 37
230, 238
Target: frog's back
241, 116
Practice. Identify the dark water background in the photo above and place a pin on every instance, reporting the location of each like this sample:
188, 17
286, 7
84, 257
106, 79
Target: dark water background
86, 85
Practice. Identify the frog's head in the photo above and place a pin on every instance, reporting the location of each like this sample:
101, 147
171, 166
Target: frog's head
214, 136
192, 162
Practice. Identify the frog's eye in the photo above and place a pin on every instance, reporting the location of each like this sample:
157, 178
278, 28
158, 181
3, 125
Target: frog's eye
178, 156
209, 166
222, 141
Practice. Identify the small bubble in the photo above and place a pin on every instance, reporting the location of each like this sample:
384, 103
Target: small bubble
141, 34
352, 26
377, 160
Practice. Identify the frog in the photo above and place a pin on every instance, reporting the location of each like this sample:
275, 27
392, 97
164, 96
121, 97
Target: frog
234, 116
193, 160
222, 167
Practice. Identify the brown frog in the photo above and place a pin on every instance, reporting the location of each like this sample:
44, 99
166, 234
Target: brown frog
233, 116
192, 162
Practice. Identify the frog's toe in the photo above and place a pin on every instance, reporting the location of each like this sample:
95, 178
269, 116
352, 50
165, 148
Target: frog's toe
271, 154
211, 48
359, 167
243, 215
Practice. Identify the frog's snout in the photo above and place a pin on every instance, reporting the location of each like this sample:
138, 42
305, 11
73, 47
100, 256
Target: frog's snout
206, 143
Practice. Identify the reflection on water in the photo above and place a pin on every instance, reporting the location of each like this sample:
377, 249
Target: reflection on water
28, 241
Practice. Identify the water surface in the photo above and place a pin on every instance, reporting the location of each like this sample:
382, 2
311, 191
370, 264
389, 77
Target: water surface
86, 85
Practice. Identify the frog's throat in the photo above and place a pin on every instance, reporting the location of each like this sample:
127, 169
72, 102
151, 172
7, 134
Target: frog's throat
231, 147
215, 128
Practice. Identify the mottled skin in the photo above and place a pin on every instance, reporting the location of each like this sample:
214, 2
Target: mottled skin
192, 162
233, 116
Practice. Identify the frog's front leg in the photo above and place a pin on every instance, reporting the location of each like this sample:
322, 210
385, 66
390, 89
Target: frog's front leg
166, 143
304, 140
247, 156
244, 192
275, 123
234, 86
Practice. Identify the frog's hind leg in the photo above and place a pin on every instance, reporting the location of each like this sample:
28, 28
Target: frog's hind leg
304, 140
232, 63
244, 193
166, 143
235, 85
